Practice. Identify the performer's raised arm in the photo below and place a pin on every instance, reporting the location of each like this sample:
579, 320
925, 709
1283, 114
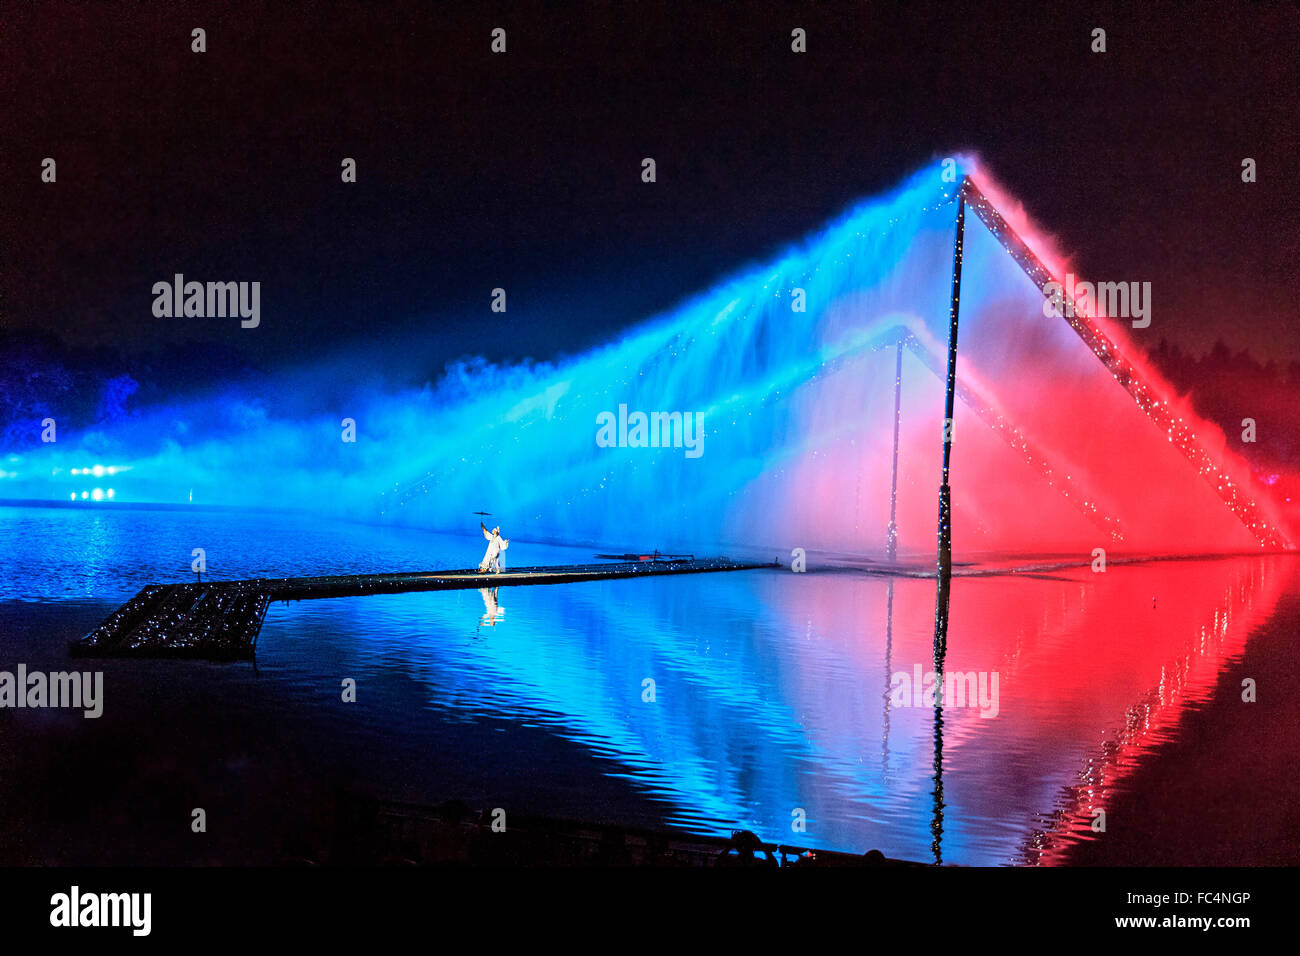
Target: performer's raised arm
486, 533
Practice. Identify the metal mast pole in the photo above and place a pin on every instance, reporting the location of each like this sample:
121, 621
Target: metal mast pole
891, 545
945, 493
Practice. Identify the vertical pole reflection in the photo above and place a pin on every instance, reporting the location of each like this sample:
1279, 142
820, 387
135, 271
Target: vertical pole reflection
889, 667
940, 652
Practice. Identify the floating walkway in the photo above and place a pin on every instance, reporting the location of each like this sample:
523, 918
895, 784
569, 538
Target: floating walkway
220, 620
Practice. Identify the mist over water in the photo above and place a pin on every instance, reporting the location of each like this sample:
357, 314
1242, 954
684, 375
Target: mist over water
787, 421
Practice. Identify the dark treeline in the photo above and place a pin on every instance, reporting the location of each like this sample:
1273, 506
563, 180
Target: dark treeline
88, 387
1228, 387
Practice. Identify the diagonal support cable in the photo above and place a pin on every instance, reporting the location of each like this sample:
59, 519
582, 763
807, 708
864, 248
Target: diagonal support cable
1123, 371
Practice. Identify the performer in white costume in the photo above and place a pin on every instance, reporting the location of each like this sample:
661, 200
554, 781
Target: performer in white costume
496, 544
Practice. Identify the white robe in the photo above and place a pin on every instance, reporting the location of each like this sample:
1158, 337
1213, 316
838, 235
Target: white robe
496, 544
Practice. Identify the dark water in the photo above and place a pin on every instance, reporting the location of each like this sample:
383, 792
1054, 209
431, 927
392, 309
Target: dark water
771, 707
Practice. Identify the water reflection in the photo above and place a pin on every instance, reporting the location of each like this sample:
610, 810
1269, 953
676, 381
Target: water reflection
491, 610
943, 588
769, 703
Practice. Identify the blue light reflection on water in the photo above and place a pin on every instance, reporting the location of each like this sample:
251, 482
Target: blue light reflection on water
769, 687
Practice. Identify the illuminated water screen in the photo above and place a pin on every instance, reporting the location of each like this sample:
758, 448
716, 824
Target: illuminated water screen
798, 403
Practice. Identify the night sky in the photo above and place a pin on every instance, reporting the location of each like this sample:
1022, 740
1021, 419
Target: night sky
522, 170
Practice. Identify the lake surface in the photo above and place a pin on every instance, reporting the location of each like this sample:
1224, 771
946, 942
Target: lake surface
770, 708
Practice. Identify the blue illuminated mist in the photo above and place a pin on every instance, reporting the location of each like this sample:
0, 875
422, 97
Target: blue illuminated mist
795, 408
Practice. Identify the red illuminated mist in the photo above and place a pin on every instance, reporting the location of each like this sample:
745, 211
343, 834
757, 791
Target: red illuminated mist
1039, 381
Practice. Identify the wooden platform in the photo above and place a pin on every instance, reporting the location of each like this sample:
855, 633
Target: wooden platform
220, 620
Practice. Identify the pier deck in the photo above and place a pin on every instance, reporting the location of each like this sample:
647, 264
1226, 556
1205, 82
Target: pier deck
220, 620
